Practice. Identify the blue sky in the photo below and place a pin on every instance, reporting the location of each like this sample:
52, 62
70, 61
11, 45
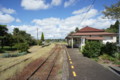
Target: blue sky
56, 18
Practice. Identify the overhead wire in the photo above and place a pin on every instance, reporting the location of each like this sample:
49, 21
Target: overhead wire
87, 11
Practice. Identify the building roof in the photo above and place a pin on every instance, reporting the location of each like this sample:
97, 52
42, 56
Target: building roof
89, 29
92, 33
94, 38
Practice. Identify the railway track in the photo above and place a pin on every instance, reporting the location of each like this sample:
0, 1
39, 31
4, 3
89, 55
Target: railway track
41, 69
7, 68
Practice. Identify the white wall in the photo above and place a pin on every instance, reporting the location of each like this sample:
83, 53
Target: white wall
111, 39
82, 42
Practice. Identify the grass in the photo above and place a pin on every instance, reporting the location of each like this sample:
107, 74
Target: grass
107, 60
117, 63
36, 52
95, 59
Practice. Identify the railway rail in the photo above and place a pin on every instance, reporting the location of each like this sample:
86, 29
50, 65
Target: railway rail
42, 68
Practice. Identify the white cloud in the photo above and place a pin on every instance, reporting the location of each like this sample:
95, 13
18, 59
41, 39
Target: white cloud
80, 11
34, 4
59, 28
56, 2
69, 3
8, 11
18, 20
6, 18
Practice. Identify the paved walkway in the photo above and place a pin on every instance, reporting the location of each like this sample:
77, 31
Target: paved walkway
86, 69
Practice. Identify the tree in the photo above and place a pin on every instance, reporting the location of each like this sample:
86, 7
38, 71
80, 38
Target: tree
112, 12
42, 37
109, 48
9, 40
77, 29
22, 47
3, 33
15, 31
113, 28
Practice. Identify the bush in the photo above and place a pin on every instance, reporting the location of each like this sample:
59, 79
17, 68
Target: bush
22, 47
109, 48
92, 49
40, 42
6, 55
107, 57
116, 55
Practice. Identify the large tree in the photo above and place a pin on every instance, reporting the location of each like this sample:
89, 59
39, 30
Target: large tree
77, 29
113, 28
3, 33
113, 11
9, 40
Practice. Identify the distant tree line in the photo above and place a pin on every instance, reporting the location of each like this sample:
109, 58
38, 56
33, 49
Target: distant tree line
19, 39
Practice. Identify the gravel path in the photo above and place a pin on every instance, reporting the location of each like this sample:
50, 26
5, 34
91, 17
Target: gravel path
87, 69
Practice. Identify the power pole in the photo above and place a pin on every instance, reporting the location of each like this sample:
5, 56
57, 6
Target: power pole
37, 37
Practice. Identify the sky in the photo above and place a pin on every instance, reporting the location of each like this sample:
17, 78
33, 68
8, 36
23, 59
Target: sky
56, 18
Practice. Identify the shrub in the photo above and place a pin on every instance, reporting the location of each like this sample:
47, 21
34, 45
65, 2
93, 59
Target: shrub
22, 47
92, 49
107, 57
40, 42
116, 55
109, 48
6, 55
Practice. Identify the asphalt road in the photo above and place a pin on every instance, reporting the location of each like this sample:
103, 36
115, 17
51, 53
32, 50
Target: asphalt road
82, 68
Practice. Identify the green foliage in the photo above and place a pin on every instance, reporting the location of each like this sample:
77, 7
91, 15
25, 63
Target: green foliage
113, 11
40, 42
109, 48
77, 29
114, 28
22, 37
3, 30
22, 47
3, 33
42, 37
118, 63
107, 57
7, 55
95, 59
48, 41
116, 55
19, 38
92, 49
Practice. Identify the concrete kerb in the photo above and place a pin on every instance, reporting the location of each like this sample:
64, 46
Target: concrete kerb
65, 74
